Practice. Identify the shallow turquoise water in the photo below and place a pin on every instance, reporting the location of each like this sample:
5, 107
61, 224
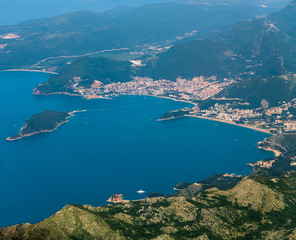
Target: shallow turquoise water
117, 146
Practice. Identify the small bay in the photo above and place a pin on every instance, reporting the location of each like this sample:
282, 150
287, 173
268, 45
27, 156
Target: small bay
116, 146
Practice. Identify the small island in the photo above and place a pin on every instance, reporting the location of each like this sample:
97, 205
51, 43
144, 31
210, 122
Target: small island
46, 121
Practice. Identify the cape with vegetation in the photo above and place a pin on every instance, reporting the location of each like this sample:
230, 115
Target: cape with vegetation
46, 121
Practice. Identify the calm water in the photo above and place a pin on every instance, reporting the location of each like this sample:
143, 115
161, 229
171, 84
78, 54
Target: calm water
117, 146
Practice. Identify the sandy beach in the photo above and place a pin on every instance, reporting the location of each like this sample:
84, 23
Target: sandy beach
229, 122
277, 153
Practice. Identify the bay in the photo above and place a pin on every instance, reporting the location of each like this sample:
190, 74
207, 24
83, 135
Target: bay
116, 146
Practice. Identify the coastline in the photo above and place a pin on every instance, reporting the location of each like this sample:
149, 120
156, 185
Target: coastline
146, 95
232, 123
173, 99
176, 100
170, 98
27, 70
171, 118
71, 114
54, 93
277, 153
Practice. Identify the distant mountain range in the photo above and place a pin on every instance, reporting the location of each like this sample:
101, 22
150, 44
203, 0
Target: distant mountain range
35, 9
83, 32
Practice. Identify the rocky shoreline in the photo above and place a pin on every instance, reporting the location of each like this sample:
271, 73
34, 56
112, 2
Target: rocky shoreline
38, 92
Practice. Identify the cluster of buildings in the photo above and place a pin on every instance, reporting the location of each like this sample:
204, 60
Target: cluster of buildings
116, 198
227, 175
225, 112
199, 88
262, 164
274, 119
156, 48
271, 119
282, 117
273, 111
290, 126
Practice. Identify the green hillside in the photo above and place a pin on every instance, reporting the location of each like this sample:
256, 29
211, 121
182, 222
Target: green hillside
46, 121
267, 43
88, 69
193, 58
272, 89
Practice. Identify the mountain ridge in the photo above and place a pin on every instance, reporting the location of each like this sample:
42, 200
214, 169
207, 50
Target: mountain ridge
71, 34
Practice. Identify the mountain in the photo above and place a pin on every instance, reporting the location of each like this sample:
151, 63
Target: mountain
273, 89
193, 58
267, 43
255, 91
47, 8
263, 46
84, 32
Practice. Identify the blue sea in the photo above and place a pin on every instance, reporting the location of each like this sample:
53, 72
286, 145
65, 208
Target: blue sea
116, 146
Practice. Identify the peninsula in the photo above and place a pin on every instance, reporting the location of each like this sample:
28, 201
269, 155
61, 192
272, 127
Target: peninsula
46, 121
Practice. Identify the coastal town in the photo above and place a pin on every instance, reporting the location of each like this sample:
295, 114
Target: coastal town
233, 111
271, 120
199, 88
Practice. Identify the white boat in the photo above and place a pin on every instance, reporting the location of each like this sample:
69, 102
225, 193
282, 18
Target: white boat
141, 191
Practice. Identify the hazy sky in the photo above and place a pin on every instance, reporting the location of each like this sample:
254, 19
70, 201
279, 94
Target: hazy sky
14, 11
